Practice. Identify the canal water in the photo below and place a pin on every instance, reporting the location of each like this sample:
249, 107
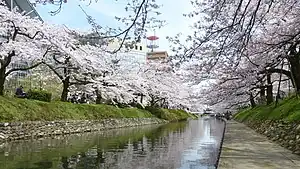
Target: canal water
186, 145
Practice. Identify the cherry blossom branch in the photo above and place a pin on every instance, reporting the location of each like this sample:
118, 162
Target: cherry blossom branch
29, 67
141, 7
22, 69
55, 71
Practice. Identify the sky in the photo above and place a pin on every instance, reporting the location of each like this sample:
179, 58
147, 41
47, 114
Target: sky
104, 12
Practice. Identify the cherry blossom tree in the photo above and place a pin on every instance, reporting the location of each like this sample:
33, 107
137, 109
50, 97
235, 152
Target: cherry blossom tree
113, 78
243, 46
22, 41
55, 47
29, 42
165, 85
121, 81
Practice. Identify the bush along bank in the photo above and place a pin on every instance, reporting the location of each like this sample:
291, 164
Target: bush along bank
170, 114
280, 124
23, 119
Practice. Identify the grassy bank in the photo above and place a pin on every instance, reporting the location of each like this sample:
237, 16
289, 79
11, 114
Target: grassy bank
14, 109
287, 110
170, 114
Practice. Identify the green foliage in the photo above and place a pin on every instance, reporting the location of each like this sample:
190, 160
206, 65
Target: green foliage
287, 109
41, 95
169, 114
155, 111
135, 112
14, 109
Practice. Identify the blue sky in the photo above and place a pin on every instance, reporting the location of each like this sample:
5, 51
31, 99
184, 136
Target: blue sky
104, 12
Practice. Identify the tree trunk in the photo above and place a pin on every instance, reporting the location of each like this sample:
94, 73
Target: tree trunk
99, 97
278, 89
269, 89
252, 101
295, 69
294, 61
262, 91
262, 94
2, 80
152, 101
64, 94
142, 98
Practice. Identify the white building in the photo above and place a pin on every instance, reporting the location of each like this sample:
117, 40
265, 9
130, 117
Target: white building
135, 55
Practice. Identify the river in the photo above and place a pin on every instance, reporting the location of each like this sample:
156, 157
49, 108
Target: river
185, 145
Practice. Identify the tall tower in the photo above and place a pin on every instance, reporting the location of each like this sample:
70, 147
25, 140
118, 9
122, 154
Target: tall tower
153, 42
155, 55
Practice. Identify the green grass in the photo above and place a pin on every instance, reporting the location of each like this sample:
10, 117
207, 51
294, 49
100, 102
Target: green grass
175, 115
170, 114
14, 109
287, 110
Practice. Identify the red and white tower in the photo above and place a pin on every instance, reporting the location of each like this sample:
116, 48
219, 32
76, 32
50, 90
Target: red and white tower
152, 44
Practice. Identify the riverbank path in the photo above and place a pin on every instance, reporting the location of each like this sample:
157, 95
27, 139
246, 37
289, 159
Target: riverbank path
243, 148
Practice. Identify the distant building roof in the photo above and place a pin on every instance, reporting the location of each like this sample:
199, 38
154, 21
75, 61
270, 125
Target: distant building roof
24, 5
157, 55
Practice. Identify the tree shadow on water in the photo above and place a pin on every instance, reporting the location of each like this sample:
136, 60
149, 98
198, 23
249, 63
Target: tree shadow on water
40, 165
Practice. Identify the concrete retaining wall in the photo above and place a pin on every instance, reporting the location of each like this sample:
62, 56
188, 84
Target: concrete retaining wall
37, 129
283, 133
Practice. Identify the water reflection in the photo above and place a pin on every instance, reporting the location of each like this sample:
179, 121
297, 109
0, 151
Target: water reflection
184, 145
204, 148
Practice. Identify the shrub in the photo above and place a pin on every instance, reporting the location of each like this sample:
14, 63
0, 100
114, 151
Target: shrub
155, 111
39, 95
169, 114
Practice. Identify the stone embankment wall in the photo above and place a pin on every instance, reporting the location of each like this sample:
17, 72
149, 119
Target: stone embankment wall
37, 129
284, 133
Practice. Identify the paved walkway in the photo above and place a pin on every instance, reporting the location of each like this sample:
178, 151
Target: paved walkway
243, 148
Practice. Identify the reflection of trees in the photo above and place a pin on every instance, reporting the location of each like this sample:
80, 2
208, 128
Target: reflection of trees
153, 150
72, 161
207, 143
135, 145
125, 152
100, 157
41, 165
160, 147
65, 164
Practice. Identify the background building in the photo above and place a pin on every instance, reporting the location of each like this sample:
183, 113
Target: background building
159, 55
23, 6
152, 54
136, 54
